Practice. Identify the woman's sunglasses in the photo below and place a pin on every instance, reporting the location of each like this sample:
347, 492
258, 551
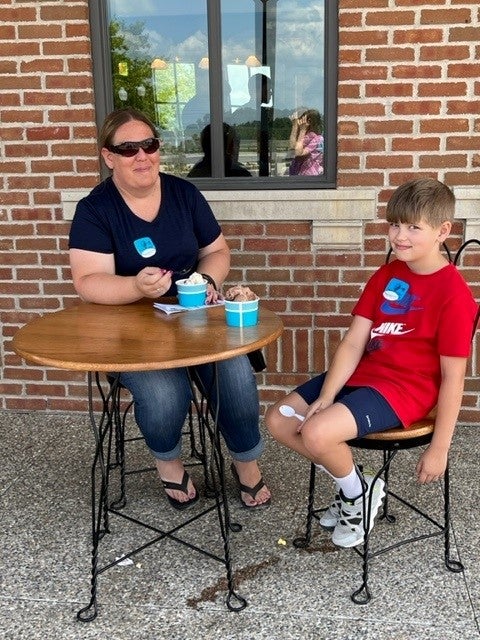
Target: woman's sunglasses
130, 149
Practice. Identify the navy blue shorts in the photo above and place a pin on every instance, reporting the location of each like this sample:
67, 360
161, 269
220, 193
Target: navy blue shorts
369, 408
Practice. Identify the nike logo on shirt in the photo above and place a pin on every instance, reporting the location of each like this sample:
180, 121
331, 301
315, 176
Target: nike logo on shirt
390, 329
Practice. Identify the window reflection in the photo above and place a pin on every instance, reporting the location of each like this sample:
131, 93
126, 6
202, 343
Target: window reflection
231, 148
272, 68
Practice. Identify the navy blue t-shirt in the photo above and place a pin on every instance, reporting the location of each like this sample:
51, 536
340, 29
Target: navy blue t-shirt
185, 223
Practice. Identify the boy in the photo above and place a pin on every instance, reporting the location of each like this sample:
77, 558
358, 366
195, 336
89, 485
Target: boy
405, 353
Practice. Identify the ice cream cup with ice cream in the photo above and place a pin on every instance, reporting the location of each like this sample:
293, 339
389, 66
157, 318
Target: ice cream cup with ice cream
241, 307
192, 291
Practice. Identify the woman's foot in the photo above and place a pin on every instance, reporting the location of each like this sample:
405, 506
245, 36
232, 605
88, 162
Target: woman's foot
253, 490
177, 483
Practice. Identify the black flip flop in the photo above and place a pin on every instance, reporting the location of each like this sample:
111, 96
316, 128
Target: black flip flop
182, 486
252, 491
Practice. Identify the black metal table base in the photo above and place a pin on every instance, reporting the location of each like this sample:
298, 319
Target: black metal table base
109, 454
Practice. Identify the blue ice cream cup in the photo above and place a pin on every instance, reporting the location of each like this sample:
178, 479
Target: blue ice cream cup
191, 295
241, 314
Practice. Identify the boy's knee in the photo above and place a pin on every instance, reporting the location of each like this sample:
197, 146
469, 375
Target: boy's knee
313, 440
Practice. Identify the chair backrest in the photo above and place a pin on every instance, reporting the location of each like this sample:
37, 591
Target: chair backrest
456, 261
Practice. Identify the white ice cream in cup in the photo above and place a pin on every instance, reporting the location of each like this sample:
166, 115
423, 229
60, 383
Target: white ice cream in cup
192, 291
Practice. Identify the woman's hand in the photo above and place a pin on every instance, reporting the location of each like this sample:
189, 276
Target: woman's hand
212, 295
153, 282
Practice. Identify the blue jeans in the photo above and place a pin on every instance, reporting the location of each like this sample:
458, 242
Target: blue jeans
162, 398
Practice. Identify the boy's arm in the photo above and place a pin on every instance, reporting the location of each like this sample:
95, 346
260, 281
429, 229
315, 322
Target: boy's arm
345, 361
433, 461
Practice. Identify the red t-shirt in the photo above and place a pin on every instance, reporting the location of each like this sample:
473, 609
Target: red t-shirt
416, 319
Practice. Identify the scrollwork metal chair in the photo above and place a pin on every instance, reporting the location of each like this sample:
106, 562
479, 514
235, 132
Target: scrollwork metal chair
194, 431
390, 442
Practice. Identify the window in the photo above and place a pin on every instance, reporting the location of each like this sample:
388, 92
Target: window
243, 92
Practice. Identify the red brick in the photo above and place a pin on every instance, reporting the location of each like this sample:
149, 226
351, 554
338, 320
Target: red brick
391, 126
390, 54
410, 72
428, 89
447, 52
446, 16
39, 31
441, 125
389, 18
416, 144
387, 89
417, 107
417, 36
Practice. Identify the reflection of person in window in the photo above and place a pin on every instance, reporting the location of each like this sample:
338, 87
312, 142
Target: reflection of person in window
196, 112
307, 144
259, 89
257, 111
231, 145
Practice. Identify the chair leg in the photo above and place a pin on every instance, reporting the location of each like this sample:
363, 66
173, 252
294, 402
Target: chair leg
303, 542
204, 427
363, 595
452, 565
120, 421
194, 452
387, 459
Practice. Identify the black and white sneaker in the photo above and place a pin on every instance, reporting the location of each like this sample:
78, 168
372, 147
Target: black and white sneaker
331, 515
349, 530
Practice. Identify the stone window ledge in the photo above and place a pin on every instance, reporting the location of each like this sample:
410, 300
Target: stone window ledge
468, 209
337, 216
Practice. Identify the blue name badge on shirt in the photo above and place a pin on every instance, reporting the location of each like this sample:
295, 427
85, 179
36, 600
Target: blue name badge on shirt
145, 247
395, 290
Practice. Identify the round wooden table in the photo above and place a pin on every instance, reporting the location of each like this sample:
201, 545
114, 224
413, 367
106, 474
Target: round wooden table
135, 337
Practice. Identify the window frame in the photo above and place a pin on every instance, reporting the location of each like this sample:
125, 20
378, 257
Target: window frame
103, 91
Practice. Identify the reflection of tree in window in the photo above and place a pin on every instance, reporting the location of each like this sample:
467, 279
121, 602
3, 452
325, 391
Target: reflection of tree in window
174, 86
131, 73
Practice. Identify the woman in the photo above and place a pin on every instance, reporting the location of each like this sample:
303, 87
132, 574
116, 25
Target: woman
129, 238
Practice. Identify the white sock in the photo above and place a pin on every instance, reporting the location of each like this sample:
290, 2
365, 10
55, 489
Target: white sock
350, 485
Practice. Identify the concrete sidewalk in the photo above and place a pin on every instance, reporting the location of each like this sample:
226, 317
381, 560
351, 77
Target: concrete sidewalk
173, 593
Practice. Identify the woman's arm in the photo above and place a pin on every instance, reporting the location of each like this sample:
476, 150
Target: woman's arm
214, 260
433, 461
94, 279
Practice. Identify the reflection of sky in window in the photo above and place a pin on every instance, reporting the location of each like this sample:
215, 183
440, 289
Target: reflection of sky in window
179, 30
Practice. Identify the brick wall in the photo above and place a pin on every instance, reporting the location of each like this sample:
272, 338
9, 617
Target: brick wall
409, 99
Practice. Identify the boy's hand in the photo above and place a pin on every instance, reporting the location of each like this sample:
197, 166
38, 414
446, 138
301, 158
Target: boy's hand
432, 465
319, 404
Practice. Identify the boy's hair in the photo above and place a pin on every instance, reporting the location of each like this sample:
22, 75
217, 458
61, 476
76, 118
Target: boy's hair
425, 198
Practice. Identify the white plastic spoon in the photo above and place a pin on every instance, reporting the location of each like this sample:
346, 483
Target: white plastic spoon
289, 412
